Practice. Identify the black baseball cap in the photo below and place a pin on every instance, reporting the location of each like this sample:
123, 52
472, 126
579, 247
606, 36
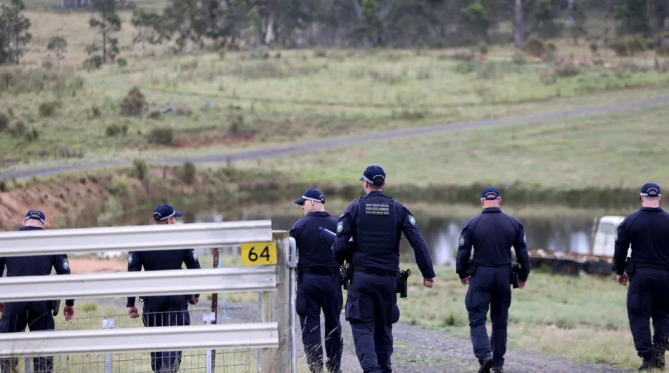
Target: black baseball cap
650, 190
164, 212
490, 194
35, 215
374, 175
311, 195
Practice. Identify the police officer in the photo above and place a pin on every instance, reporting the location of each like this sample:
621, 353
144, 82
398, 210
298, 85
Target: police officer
647, 231
488, 275
163, 310
319, 284
37, 315
375, 222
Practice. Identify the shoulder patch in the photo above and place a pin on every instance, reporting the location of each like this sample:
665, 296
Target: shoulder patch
194, 256
340, 227
412, 220
66, 264
525, 239
462, 240
130, 259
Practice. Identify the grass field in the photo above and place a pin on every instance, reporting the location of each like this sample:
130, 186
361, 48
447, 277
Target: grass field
594, 151
582, 319
251, 100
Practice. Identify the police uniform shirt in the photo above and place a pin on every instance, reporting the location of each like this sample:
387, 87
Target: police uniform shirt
647, 231
405, 222
159, 260
312, 250
38, 265
492, 234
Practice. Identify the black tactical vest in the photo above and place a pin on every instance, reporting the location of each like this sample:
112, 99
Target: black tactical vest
377, 226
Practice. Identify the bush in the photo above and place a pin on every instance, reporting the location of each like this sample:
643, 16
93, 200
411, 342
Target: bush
236, 119
518, 59
188, 173
141, 168
594, 47
47, 109
155, 114
628, 45
221, 55
4, 122
3, 186
551, 51
93, 63
113, 130
133, 103
534, 46
95, 112
18, 129
663, 50
122, 62
320, 53
161, 136
483, 48
32, 135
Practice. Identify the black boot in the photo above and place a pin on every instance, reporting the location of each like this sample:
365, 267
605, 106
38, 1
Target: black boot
649, 363
486, 365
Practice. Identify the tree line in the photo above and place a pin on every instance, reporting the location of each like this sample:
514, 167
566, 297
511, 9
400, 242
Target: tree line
350, 23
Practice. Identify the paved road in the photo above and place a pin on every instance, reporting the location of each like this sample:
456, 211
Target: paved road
343, 142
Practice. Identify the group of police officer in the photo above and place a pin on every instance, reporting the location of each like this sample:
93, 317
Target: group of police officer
367, 237
158, 310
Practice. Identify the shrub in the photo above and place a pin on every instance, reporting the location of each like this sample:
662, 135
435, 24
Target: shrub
18, 129
551, 50
628, 45
663, 50
47, 109
518, 59
95, 112
221, 55
122, 62
133, 103
32, 135
161, 136
534, 46
483, 48
155, 114
3, 186
113, 130
93, 63
90, 307
188, 173
141, 168
594, 47
320, 53
4, 122
236, 119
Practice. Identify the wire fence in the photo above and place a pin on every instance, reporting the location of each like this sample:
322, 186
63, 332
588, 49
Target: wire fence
209, 361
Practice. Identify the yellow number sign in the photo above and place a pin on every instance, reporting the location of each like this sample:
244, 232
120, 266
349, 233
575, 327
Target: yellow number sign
259, 254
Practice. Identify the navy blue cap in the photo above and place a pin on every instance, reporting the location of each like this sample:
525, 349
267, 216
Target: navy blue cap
650, 190
164, 212
311, 195
374, 175
35, 215
490, 194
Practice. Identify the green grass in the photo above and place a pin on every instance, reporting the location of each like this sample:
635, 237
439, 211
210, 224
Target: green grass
583, 319
599, 151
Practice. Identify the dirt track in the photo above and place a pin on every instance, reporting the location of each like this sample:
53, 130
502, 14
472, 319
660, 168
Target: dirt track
342, 142
423, 351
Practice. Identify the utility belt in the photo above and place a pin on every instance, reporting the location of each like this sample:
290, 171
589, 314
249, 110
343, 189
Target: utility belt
318, 270
402, 277
190, 298
54, 306
514, 280
376, 271
631, 266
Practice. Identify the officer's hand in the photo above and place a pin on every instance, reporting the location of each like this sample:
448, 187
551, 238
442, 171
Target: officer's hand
428, 282
465, 281
521, 284
622, 279
133, 313
68, 312
2, 307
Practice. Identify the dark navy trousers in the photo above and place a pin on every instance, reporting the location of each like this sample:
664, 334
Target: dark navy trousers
489, 289
647, 298
315, 293
165, 311
371, 308
37, 317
